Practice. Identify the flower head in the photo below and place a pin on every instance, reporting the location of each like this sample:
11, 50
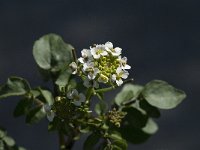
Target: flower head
50, 113
100, 63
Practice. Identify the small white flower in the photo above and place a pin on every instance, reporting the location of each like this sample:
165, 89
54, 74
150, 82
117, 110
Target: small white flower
88, 66
49, 112
90, 83
98, 51
86, 56
103, 78
86, 53
123, 63
77, 97
120, 74
74, 67
109, 45
92, 74
114, 51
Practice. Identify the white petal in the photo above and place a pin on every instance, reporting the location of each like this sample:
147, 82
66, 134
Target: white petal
77, 103
104, 53
114, 77
126, 67
119, 70
119, 82
74, 92
96, 56
47, 108
86, 83
91, 76
109, 44
125, 75
81, 97
95, 84
81, 60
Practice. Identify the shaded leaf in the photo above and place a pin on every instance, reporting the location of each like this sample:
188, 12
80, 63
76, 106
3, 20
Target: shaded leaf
162, 95
135, 117
35, 115
91, 141
132, 134
150, 110
128, 93
22, 107
15, 86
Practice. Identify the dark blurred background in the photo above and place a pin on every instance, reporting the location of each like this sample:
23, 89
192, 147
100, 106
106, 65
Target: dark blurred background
161, 38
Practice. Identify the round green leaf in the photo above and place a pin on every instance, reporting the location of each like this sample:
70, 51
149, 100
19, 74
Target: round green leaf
128, 93
151, 127
51, 52
162, 95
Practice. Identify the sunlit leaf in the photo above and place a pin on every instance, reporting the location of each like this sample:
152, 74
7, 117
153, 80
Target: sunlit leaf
162, 95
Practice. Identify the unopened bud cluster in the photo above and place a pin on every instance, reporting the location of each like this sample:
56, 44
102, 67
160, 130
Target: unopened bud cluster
116, 117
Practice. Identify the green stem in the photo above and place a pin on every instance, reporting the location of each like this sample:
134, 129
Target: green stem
112, 87
88, 95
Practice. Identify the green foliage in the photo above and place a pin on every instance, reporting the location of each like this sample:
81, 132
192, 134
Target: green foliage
15, 86
7, 142
69, 107
35, 115
162, 95
91, 141
53, 56
129, 93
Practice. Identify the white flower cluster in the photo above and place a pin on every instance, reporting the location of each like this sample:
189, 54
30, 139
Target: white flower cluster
102, 64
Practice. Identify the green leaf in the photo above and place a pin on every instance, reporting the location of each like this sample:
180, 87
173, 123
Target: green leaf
63, 78
91, 141
9, 141
1, 145
128, 93
132, 134
151, 127
35, 115
22, 107
162, 95
101, 107
117, 141
15, 86
135, 117
2, 133
150, 110
47, 96
53, 55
